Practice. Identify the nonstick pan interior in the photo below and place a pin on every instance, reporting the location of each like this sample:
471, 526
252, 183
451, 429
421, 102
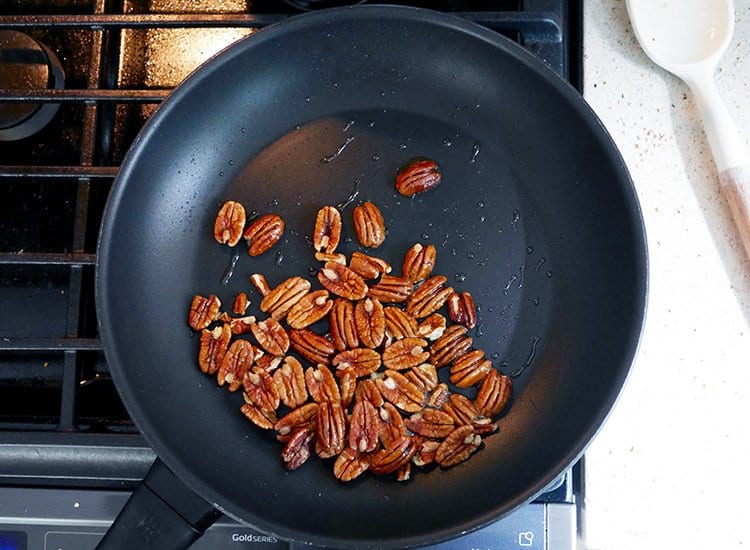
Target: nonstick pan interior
536, 217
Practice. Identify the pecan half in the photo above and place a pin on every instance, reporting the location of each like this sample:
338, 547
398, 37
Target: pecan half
363, 427
229, 223
426, 450
392, 426
280, 300
312, 346
237, 361
419, 262
350, 464
342, 281
433, 327
263, 233
214, 344
310, 309
260, 390
417, 176
321, 384
368, 391
450, 346
369, 225
331, 429
393, 456
370, 321
238, 325
399, 324
260, 283
203, 311
470, 368
431, 423
397, 389
239, 307
429, 297
325, 257
458, 446
368, 267
271, 336
343, 328
301, 416
327, 232
406, 353
391, 289
290, 383
297, 449
263, 419
494, 393
347, 388
267, 362
461, 409
357, 362
461, 309
439, 396
423, 376
484, 425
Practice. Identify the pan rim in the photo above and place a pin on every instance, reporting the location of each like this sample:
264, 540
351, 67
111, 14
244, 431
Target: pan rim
631, 335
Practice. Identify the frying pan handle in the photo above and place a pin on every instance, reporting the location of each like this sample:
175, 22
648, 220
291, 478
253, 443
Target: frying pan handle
161, 514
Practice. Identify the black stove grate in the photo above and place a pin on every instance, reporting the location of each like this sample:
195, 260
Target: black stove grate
121, 59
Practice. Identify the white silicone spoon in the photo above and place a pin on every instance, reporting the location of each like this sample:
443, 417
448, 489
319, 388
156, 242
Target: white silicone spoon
688, 38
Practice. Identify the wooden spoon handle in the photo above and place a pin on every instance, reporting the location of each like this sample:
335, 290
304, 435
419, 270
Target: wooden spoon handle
735, 183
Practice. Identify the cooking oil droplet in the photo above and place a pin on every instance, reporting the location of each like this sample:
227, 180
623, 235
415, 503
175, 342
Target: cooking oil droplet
274, 202
330, 158
307, 99
312, 271
549, 274
460, 277
230, 269
425, 236
482, 218
243, 129
402, 145
279, 257
475, 151
539, 264
480, 331
351, 197
453, 251
470, 255
529, 249
529, 359
490, 309
536, 300
480, 204
447, 142
297, 127
515, 219
221, 174
509, 283
231, 163
348, 124
371, 124
522, 271
494, 355
348, 240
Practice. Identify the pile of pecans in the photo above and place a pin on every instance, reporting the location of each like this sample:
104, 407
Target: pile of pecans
371, 397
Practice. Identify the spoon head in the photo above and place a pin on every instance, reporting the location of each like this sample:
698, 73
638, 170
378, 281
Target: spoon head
677, 34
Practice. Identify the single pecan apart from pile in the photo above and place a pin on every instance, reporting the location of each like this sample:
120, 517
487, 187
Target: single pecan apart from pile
263, 233
229, 223
418, 176
369, 225
327, 233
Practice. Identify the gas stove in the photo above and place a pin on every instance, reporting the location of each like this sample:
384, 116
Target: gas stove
78, 79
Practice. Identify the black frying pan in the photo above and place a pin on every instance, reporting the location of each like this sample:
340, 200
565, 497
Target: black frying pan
536, 217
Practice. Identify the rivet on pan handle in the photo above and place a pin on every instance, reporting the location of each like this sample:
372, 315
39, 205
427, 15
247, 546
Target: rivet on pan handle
161, 514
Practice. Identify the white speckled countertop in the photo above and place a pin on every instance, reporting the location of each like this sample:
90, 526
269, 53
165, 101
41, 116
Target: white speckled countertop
669, 470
